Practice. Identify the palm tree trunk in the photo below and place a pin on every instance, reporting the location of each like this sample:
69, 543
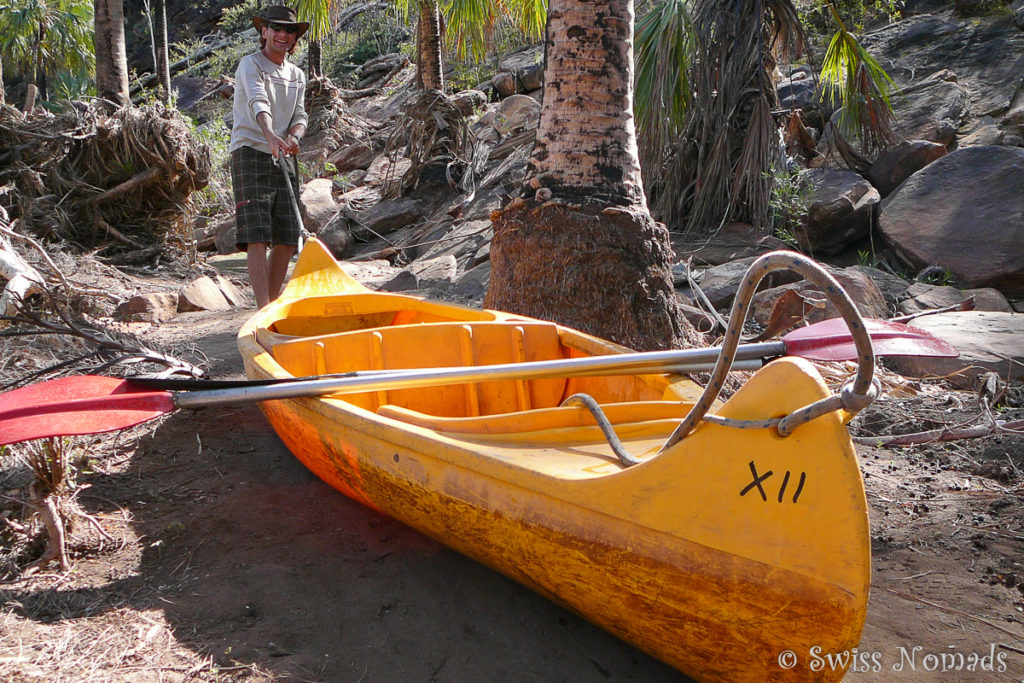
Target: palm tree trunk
314, 59
163, 71
111, 58
429, 74
3, 92
579, 246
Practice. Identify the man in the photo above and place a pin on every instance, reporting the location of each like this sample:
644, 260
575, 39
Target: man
269, 121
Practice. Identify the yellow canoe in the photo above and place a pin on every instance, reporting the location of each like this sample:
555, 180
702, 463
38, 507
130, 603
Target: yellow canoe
732, 555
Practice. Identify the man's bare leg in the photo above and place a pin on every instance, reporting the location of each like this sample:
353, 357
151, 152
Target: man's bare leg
280, 255
259, 277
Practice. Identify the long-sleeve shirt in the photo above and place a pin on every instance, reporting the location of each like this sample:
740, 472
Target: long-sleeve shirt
263, 86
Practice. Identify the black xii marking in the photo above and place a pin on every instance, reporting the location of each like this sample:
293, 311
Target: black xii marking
759, 479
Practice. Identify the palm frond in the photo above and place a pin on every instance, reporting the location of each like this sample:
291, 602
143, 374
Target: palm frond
854, 81
530, 16
318, 14
664, 44
469, 24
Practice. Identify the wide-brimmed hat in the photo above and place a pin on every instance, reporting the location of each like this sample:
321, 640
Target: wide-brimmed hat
279, 14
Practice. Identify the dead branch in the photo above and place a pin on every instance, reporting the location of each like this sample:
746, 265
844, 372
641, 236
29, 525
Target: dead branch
145, 177
965, 305
942, 434
115, 233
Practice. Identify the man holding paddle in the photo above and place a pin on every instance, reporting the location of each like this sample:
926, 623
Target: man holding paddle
269, 121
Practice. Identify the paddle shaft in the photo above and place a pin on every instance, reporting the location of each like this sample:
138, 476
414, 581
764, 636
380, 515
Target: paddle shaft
688, 361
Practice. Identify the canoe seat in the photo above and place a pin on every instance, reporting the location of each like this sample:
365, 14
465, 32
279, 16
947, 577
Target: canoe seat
572, 417
426, 345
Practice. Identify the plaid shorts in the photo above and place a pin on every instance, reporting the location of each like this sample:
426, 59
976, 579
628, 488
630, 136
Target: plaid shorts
263, 210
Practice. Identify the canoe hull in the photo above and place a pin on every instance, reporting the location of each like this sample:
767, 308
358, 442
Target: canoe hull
696, 608
716, 556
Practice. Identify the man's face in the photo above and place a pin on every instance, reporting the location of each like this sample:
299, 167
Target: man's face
280, 37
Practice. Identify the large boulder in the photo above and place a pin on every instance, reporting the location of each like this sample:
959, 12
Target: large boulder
987, 55
841, 210
895, 165
317, 197
988, 342
805, 301
964, 212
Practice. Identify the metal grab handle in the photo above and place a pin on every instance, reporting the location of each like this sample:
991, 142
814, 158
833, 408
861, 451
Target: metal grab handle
854, 397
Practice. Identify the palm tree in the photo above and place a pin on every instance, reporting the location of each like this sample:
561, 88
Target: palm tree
111, 58
162, 65
47, 39
579, 246
705, 98
429, 71
464, 26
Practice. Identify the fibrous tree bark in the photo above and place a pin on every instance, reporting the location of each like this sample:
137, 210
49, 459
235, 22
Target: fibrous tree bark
429, 73
163, 70
111, 58
579, 246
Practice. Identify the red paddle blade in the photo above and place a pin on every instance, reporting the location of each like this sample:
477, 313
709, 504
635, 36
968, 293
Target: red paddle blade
85, 404
831, 340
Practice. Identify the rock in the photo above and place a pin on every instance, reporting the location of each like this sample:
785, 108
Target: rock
932, 110
357, 156
797, 90
370, 273
895, 165
387, 216
383, 170
473, 283
191, 90
461, 241
840, 213
988, 342
337, 236
505, 83
515, 114
816, 307
317, 197
434, 271
469, 101
233, 295
891, 286
922, 297
720, 283
987, 53
964, 212
981, 131
532, 78
148, 308
734, 241
522, 59
989, 299
202, 294
225, 237
402, 281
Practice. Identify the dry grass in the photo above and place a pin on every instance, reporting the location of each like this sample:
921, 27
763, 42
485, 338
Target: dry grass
121, 644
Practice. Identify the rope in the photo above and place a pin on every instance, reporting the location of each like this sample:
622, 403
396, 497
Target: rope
585, 400
853, 397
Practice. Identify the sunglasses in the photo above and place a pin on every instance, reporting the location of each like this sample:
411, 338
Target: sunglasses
287, 28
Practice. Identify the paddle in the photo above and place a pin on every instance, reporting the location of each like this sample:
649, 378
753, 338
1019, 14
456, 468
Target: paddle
90, 404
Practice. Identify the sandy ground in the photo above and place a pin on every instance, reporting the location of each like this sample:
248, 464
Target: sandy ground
227, 560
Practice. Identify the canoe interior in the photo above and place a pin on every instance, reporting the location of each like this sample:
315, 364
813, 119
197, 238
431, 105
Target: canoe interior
328, 335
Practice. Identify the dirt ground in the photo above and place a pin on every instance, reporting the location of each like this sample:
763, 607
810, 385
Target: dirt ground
224, 559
